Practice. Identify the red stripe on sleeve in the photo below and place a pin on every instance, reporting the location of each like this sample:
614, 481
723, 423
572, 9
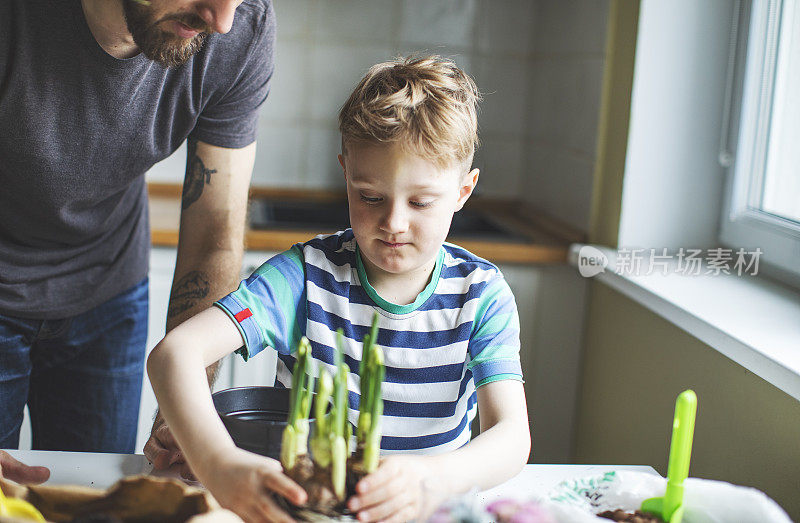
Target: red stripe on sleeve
243, 315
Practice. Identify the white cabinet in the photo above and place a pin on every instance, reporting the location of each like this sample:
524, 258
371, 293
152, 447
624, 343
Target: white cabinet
162, 266
551, 302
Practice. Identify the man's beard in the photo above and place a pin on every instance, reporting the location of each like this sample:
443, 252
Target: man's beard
162, 46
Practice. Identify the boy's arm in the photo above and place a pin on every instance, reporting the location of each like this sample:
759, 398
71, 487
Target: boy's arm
496, 455
502, 448
176, 368
239, 480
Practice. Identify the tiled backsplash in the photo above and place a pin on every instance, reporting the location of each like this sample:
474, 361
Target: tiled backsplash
538, 63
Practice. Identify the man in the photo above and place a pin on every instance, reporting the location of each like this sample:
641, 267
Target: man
92, 94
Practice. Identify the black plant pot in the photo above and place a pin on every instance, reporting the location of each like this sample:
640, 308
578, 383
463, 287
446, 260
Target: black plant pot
255, 417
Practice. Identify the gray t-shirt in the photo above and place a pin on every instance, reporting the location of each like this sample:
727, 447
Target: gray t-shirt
78, 130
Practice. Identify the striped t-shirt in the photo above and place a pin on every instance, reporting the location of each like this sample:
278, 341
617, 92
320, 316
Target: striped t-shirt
461, 332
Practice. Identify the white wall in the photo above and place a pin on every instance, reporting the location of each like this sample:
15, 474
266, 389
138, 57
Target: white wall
324, 48
673, 182
565, 73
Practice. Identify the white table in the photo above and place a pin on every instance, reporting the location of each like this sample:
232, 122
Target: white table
103, 470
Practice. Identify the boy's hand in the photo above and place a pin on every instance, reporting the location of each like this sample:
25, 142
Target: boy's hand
397, 491
243, 483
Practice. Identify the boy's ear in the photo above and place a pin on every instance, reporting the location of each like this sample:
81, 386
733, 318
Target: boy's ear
341, 162
466, 187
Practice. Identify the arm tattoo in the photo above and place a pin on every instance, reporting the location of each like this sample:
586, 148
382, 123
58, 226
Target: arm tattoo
197, 176
189, 290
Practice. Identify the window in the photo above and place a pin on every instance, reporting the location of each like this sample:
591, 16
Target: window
762, 208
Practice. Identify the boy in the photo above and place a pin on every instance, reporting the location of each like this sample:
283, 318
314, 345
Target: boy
448, 323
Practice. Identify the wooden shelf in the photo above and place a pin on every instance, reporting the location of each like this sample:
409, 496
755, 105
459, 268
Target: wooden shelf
548, 239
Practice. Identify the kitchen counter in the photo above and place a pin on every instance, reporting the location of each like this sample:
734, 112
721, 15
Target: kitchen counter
103, 470
538, 238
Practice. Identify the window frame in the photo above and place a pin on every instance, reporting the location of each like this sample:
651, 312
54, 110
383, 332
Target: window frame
751, 82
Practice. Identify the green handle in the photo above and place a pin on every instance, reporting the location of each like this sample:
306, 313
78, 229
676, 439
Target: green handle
680, 450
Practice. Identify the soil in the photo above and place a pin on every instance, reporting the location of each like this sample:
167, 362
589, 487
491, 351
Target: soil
632, 517
354, 472
317, 483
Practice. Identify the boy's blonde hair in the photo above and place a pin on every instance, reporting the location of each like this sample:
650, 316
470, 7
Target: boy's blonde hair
426, 104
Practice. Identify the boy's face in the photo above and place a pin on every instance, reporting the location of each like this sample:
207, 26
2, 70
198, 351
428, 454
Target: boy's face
401, 207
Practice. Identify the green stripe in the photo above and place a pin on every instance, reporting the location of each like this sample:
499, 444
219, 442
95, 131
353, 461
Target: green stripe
285, 303
488, 328
393, 307
497, 324
494, 352
488, 296
499, 377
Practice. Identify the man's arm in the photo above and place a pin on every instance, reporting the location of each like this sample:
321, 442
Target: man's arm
210, 249
211, 240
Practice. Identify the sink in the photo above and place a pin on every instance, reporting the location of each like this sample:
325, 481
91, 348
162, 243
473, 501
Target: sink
329, 216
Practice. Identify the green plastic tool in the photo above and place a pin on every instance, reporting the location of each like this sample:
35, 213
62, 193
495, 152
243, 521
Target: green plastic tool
670, 506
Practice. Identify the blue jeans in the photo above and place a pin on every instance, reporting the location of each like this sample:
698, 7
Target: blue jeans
81, 376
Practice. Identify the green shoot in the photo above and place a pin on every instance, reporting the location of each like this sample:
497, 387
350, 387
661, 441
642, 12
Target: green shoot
321, 443
295, 435
371, 405
372, 443
338, 431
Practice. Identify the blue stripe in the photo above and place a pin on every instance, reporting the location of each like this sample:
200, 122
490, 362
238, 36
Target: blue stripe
432, 409
466, 265
327, 354
350, 291
431, 440
462, 270
390, 337
360, 297
332, 242
454, 301
331, 246
464, 256
325, 280
494, 367
339, 259
438, 374
287, 360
